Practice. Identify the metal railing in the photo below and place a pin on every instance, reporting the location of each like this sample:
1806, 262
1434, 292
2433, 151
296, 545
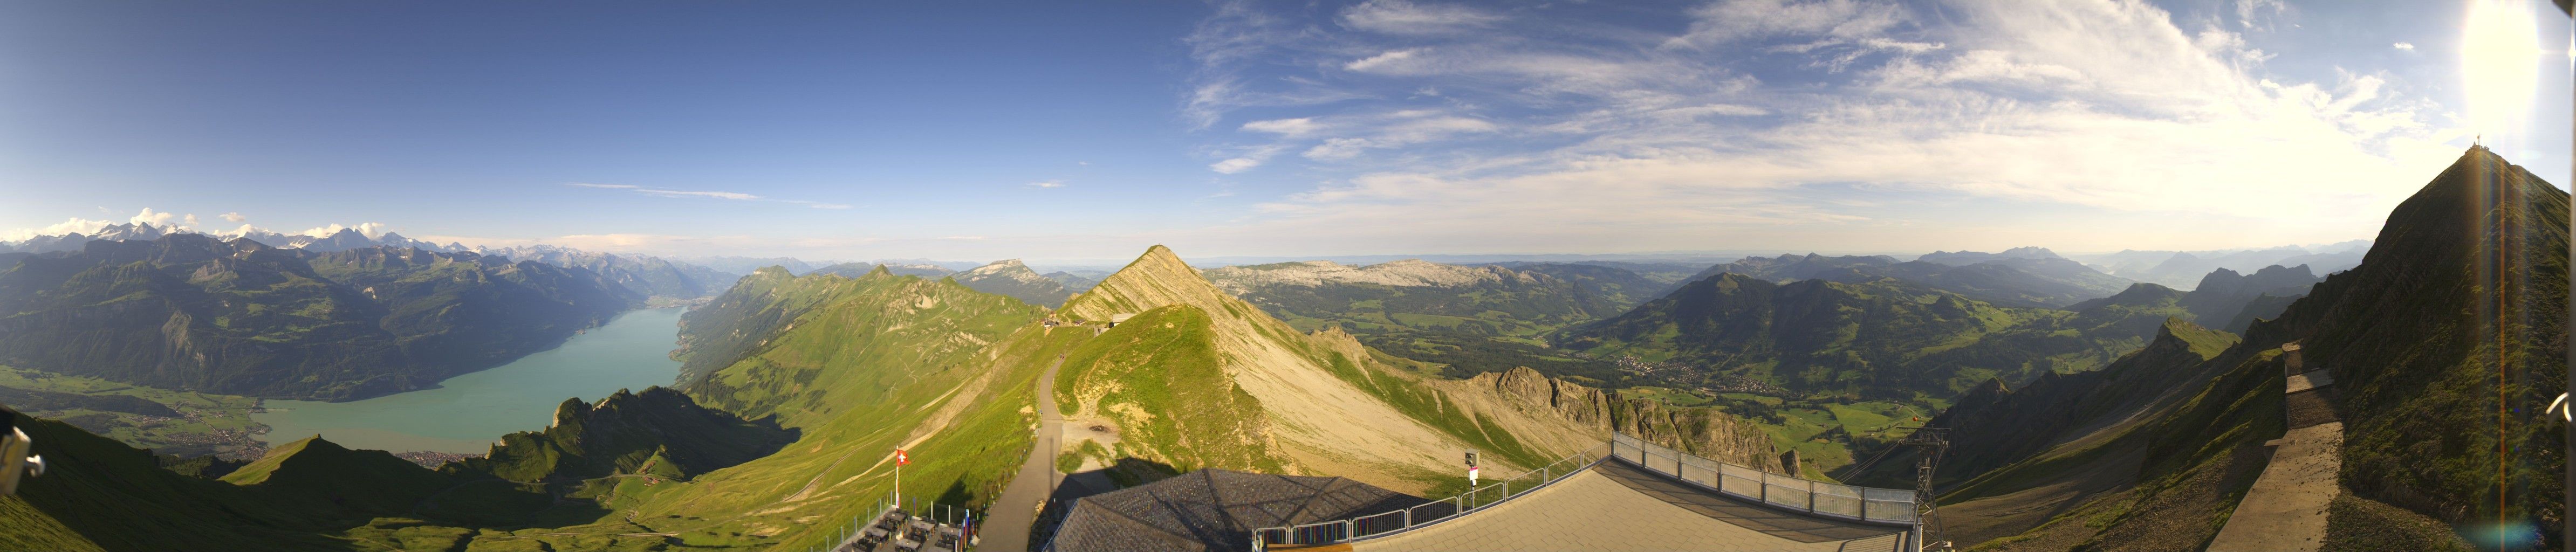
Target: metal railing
1820, 498
941, 514
1397, 521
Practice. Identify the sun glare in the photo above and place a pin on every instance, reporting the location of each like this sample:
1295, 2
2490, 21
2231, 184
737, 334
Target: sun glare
2499, 56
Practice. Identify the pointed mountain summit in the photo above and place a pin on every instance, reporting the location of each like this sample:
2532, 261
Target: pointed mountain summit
1195, 377
2464, 290
1154, 279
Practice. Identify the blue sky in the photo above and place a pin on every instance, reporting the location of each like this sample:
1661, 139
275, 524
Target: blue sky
1060, 130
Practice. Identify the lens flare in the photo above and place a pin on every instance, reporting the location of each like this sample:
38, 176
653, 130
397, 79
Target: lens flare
2499, 57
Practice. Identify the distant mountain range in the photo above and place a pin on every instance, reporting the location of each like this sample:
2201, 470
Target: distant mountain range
2021, 277
654, 277
189, 312
1010, 277
1965, 258
1881, 337
746, 265
2183, 269
1471, 319
660, 279
2455, 315
345, 239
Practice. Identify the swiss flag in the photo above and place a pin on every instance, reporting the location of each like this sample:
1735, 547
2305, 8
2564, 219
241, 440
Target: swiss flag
900, 458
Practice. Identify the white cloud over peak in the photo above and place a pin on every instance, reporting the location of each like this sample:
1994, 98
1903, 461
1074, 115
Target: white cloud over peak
371, 230
77, 225
73, 225
235, 217
148, 216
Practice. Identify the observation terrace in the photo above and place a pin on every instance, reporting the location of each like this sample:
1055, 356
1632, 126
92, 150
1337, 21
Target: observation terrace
1629, 494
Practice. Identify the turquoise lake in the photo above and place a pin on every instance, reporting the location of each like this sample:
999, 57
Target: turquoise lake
466, 413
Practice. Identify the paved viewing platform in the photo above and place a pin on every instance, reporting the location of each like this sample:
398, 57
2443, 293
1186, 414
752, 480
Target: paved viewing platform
1619, 506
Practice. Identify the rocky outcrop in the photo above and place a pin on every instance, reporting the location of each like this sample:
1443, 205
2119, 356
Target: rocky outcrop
1707, 432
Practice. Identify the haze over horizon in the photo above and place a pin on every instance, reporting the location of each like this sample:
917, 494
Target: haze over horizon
1244, 129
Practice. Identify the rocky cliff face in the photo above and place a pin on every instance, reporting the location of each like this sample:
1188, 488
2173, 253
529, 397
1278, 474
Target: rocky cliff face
1706, 432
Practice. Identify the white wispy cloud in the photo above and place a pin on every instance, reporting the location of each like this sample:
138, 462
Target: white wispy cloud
78, 225
1047, 184
1412, 18
2404, 46
235, 217
73, 225
371, 230
739, 196
148, 216
2110, 107
735, 196
1235, 165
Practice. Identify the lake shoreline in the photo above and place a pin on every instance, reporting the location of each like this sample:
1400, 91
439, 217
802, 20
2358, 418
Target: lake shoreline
464, 414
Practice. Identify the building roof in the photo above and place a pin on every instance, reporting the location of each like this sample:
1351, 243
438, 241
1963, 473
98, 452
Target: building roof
1214, 509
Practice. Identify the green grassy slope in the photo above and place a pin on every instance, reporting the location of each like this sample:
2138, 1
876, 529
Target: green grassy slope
755, 309
102, 495
659, 432
1325, 402
318, 476
872, 364
1159, 372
